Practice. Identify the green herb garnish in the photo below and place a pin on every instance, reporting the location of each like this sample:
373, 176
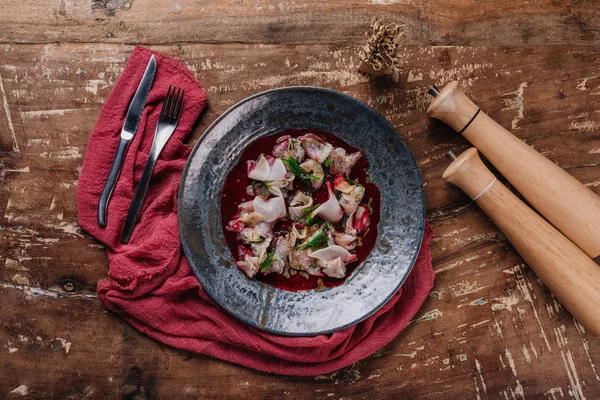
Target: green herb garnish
309, 211
311, 208
328, 162
296, 170
315, 243
293, 166
267, 262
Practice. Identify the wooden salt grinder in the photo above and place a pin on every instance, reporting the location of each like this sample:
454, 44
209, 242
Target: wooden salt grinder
572, 276
564, 201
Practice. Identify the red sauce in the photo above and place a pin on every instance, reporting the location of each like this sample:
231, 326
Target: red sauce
234, 193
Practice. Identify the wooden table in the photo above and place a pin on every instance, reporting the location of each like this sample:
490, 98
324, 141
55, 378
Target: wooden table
489, 328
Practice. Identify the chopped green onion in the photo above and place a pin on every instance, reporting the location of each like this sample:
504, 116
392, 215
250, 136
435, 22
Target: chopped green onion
309, 211
328, 162
314, 243
293, 166
311, 208
296, 170
267, 262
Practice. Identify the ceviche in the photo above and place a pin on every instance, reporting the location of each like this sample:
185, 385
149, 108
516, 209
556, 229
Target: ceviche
299, 210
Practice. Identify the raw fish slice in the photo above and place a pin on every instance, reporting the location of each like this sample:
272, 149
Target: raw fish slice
332, 252
277, 169
315, 147
287, 147
315, 171
271, 209
258, 170
330, 210
298, 205
341, 184
249, 266
362, 219
345, 240
350, 201
342, 163
335, 268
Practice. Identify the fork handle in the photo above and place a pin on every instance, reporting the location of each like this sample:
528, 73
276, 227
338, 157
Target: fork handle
111, 182
138, 198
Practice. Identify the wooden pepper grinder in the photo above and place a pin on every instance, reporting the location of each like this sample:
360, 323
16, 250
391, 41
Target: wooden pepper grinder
572, 276
564, 201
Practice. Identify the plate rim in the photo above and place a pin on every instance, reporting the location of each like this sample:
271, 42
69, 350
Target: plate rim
186, 250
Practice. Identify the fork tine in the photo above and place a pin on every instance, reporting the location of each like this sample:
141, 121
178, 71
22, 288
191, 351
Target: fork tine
167, 97
179, 105
174, 102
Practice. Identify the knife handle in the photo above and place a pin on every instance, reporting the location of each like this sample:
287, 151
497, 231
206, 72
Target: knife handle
138, 199
111, 182
565, 269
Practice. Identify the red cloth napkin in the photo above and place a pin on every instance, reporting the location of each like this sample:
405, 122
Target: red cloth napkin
150, 283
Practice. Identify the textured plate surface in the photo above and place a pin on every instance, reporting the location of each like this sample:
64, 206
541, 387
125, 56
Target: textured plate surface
392, 168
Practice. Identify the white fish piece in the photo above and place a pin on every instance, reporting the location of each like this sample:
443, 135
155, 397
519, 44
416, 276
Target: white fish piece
345, 240
265, 230
350, 201
252, 219
285, 183
334, 268
300, 234
315, 169
245, 216
271, 209
259, 169
341, 184
277, 170
362, 219
330, 210
350, 224
298, 204
315, 147
287, 147
249, 266
250, 235
300, 260
342, 163
330, 253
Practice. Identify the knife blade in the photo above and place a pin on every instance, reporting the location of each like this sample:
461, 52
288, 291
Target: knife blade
134, 115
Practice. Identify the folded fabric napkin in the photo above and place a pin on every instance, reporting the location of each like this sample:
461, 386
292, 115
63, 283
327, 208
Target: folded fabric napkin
150, 283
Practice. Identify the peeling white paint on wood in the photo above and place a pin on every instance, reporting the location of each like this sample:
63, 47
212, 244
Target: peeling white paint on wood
21, 390
11, 128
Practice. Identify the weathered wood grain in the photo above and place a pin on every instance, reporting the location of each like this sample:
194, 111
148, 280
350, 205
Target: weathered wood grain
446, 22
488, 330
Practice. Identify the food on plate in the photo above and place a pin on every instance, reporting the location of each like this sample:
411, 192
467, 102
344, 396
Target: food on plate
306, 208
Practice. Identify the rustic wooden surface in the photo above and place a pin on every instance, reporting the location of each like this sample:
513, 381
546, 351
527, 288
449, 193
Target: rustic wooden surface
489, 329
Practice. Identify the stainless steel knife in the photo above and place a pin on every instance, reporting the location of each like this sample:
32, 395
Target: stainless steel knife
134, 114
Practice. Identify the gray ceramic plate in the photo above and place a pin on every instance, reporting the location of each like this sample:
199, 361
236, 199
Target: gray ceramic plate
392, 168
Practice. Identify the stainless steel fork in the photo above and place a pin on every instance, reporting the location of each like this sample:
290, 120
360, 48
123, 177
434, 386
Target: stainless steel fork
167, 122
